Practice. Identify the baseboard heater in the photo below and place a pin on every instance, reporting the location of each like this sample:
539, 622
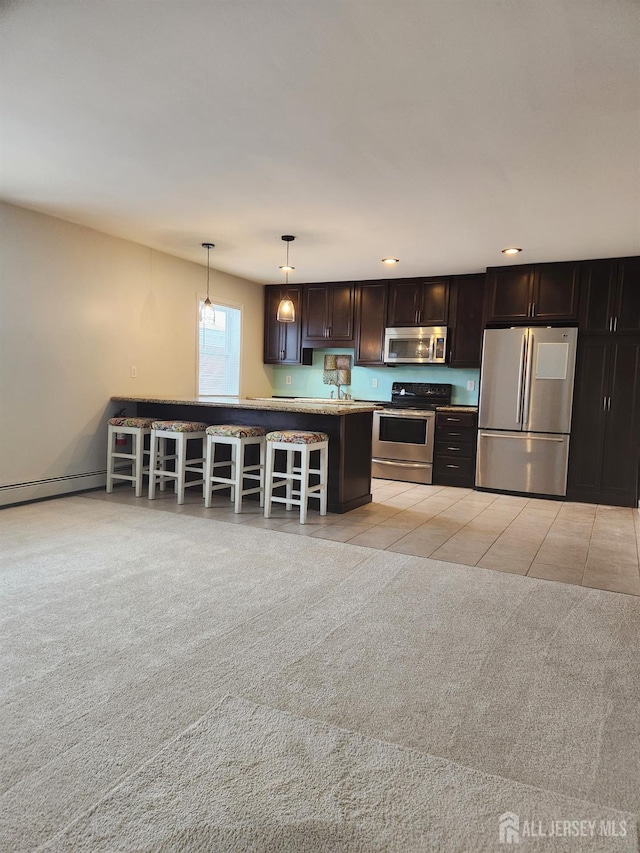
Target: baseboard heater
33, 490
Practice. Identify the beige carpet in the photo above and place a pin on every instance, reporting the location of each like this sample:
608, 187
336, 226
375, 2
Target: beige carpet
124, 626
248, 777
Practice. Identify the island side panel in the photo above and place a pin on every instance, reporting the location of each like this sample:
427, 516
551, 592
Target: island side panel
349, 443
355, 458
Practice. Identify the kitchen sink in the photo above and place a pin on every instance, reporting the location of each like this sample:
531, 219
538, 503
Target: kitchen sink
325, 400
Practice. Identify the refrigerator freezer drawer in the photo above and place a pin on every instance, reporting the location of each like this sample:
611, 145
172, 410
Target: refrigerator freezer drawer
533, 463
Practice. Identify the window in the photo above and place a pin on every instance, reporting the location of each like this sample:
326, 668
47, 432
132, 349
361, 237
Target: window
219, 352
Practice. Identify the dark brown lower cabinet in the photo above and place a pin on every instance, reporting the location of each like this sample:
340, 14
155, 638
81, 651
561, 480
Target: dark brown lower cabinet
604, 449
454, 456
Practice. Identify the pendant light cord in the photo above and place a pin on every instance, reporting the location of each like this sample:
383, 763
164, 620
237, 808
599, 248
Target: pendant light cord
286, 275
208, 269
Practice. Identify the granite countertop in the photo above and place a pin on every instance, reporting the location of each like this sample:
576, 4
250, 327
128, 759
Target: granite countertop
278, 404
457, 409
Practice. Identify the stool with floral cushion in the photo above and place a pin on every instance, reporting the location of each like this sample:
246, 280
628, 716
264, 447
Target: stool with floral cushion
238, 438
119, 429
296, 478
180, 432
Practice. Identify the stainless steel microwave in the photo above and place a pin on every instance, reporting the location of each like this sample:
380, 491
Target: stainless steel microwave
415, 345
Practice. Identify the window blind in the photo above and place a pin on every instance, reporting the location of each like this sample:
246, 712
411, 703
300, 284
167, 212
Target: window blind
219, 353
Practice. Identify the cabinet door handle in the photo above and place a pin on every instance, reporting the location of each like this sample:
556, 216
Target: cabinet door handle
615, 324
453, 466
604, 404
608, 404
452, 434
611, 324
533, 309
457, 449
453, 420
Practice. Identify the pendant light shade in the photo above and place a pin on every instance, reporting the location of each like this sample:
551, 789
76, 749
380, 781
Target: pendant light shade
207, 312
286, 312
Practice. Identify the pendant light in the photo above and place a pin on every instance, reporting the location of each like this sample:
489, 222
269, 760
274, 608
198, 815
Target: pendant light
207, 312
286, 309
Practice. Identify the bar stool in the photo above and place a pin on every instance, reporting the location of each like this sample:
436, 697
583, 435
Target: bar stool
137, 428
180, 432
303, 443
238, 438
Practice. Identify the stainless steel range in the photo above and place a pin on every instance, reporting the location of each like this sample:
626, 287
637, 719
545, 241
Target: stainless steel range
403, 431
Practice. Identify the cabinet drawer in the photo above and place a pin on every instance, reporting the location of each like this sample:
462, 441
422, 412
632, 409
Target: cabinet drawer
460, 419
459, 449
455, 434
452, 468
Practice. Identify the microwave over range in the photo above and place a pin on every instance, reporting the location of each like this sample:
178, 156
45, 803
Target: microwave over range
415, 345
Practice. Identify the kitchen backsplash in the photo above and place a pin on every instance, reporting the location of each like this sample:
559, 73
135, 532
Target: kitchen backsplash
307, 381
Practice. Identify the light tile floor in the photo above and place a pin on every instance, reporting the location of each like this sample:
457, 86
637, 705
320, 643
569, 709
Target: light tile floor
585, 544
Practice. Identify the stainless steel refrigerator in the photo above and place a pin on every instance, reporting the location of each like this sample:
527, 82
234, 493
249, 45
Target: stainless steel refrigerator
524, 419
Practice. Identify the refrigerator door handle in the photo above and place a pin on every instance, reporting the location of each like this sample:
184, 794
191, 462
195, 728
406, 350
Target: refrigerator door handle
520, 375
527, 383
529, 437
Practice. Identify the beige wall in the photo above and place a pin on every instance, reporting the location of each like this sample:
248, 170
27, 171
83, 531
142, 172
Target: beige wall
77, 309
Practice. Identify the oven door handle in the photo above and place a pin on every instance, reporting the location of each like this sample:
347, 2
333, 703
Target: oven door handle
399, 413
401, 464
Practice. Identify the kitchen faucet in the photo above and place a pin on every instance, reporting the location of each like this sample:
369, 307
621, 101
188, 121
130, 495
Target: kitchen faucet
342, 395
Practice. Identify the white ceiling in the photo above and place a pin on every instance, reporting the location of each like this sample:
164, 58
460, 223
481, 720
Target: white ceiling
438, 131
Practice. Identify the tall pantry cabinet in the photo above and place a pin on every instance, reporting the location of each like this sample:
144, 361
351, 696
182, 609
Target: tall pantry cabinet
604, 458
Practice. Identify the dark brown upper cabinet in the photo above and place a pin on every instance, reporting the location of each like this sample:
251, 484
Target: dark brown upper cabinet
610, 296
328, 314
466, 300
418, 302
371, 313
282, 341
532, 293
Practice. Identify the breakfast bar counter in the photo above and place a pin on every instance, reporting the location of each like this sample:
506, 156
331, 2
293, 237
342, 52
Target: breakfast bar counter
347, 423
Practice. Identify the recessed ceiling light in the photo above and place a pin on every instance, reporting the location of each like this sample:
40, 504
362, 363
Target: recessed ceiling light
390, 261
513, 250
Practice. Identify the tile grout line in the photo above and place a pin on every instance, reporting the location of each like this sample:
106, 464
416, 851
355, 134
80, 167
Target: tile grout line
458, 503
